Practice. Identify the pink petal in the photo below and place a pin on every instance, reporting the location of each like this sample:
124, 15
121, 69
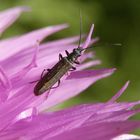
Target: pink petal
88, 64
27, 113
127, 137
120, 92
67, 89
5, 85
63, 42
98, 131
71, 120
88, 40
100, 116
19, 75
9, 16
87, 55
5, 82
26, 41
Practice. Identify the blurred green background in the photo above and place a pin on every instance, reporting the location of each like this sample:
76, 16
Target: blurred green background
115, 22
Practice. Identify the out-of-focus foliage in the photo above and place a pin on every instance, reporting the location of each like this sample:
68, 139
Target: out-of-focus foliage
115, 22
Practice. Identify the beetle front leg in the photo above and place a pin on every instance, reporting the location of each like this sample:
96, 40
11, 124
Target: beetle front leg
60, 56
76, 62
67, 53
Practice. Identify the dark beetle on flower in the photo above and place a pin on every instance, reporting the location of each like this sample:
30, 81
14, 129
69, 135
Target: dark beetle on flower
57, 71
64, 65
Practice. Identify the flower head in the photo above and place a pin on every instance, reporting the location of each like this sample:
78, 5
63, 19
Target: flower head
22, 60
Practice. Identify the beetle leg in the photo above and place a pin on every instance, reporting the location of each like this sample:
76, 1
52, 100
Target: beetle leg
67, 53
42, 74
76, 62
48, 93
57, 85
60, 56
33, 81
72, 69
52, 88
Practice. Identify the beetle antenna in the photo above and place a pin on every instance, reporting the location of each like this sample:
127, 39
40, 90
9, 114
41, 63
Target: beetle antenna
80, 30
104, 44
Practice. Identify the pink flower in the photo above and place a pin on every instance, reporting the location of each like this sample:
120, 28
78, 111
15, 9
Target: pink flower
22, 60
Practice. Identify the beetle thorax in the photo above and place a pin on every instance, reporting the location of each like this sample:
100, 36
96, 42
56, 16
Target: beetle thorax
75, 54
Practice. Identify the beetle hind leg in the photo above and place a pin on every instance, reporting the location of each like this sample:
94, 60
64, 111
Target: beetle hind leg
57, 85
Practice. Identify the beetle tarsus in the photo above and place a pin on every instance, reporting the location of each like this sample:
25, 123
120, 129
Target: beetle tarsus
60, 56
67, 53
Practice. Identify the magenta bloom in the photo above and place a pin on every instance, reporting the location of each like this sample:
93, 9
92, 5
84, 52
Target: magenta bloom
22, 61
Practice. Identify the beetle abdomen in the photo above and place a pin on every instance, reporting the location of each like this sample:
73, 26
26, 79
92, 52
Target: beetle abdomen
52, 76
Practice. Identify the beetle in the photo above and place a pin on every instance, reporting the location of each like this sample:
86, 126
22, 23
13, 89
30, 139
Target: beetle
64, 65
54, 74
